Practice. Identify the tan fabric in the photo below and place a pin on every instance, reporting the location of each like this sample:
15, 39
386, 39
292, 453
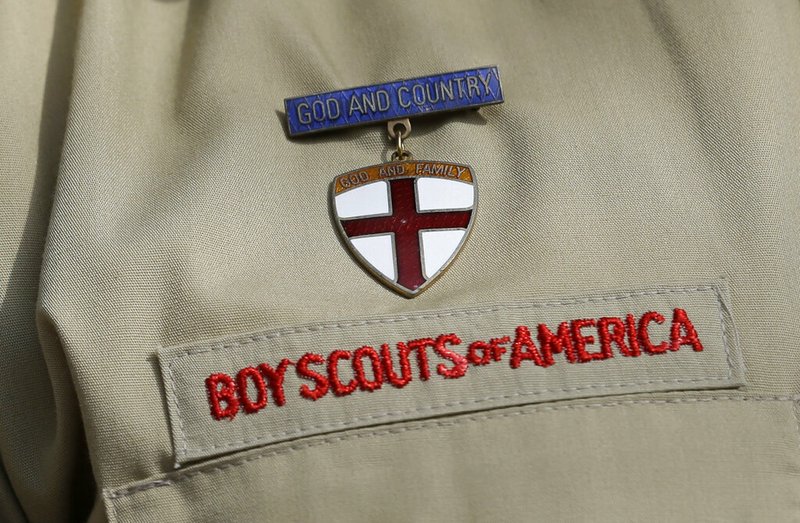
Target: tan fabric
626, 460
642, 144
45, 472
438, 383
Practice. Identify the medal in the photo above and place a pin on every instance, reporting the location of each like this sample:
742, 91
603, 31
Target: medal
405, 220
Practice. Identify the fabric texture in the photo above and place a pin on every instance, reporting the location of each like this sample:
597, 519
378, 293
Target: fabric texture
439, 380
151, 198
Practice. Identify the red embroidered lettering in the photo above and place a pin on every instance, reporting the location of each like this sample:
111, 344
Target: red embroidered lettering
321, 387
681, 321
274, 378
226, 394
405, 366
338, 387
644, 335
493, 350
479, 346
496, 344
421, 346
612, 330
633, 339
459, 361
553, 344
358, 367
251, 374
252, 386
582, 341
522, 339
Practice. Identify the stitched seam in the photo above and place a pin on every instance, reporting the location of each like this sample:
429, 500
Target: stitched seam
423, 425
184, 449
724, 334
112, 507
433, 408
183, 442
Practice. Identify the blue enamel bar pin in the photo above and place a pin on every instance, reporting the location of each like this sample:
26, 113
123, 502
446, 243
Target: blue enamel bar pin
405, 220
393, 100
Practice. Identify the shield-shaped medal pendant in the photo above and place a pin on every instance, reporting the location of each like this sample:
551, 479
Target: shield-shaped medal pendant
405, 221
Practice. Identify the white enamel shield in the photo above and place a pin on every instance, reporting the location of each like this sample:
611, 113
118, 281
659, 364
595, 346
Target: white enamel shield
405, 221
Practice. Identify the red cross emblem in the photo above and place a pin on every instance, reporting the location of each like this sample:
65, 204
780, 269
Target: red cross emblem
405, 221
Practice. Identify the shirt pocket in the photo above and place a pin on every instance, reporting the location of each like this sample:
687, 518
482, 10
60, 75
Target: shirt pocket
368, 418
284, 384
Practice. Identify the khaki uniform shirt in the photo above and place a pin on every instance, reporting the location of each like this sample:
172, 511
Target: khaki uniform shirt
639, 186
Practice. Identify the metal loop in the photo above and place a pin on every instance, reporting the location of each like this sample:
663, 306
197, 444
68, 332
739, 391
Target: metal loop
400, 156
392, 126
405, 125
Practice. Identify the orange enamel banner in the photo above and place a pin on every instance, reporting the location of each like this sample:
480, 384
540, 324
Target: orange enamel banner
385, 171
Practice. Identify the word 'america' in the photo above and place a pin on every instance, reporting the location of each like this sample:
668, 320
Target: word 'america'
254, 388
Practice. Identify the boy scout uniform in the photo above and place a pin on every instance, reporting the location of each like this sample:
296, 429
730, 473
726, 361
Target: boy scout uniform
162, 235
